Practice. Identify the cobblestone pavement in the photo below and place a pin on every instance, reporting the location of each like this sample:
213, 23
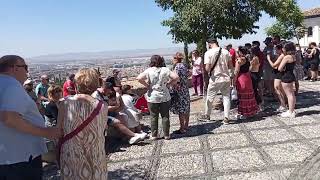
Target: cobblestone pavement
265, 147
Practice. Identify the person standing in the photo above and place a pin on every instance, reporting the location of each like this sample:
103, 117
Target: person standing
83, 156
247, 106
180, 104
232, 53
69, 87
42, 90
314, 61
197, 73
22, 128
268, 76
219, 64
157, 78
287, 79
277, 76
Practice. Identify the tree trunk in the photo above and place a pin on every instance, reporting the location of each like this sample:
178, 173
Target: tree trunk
186, 54
203, 50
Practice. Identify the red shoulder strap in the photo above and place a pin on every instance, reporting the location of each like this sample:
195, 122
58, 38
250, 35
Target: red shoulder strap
84, 124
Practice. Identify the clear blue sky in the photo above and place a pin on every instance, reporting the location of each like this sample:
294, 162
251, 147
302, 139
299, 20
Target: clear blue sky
39, 27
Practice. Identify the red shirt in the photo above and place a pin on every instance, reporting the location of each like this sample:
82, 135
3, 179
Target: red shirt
232, 53
68, 85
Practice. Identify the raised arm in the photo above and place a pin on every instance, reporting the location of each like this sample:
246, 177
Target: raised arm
275, 64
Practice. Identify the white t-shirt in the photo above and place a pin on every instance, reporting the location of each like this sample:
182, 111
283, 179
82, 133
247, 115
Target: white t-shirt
221, 72
158, 79
197, 67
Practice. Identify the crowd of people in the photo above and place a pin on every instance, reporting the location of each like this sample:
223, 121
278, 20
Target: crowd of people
78, 116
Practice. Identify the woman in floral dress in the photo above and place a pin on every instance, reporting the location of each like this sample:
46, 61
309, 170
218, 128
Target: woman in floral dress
180, 98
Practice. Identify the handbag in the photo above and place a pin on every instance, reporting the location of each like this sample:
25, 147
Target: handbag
234, 94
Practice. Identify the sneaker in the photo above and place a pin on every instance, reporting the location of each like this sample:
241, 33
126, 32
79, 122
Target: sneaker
204, 117
143, 135
281, 109
137, 138
194, 94
288, 114
226, 121
240, 117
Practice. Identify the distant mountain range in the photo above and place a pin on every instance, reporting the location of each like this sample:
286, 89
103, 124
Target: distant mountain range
107, 55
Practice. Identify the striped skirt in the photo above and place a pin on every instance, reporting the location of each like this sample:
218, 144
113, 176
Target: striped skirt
247, 103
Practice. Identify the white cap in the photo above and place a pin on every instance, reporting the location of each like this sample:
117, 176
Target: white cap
28, 81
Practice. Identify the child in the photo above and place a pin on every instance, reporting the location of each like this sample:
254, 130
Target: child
51, 109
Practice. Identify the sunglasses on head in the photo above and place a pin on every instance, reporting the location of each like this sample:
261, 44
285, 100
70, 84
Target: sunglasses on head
24, 66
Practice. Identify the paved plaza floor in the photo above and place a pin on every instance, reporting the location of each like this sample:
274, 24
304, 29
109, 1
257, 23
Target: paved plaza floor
265, 147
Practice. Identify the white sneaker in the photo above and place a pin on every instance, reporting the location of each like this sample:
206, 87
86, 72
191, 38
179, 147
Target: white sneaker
137, 138
240, 117
143, 135
281, 109
288, 114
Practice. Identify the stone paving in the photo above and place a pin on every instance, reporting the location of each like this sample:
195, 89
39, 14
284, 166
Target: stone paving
265, 147
262, 148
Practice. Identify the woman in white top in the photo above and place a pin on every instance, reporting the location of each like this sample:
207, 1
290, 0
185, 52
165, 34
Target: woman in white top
134, 115
197, 71
157, 78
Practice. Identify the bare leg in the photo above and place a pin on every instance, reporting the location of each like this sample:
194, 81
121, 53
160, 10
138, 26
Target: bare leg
279, 91
296, 85
123, 129
181, 120
288, 89
186, 122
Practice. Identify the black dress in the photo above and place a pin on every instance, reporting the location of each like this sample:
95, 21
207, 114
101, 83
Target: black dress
287, 74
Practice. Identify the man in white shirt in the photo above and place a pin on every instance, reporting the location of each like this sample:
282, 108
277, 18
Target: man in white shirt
218, 63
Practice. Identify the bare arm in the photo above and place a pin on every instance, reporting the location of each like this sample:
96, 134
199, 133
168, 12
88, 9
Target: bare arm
142, 79
237, 68
283, 63
313, 52
120, 106
174, 78
15, 121
277, 62
255, 62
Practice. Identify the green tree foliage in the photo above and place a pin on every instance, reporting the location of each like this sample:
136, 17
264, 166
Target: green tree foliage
194, 21
289, 22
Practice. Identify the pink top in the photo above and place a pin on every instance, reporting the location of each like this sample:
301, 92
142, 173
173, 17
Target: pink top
197, 67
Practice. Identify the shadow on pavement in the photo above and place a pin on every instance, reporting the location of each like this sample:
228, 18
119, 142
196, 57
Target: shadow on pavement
136, 171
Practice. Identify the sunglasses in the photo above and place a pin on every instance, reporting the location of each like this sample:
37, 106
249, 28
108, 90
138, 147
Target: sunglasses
24, 66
